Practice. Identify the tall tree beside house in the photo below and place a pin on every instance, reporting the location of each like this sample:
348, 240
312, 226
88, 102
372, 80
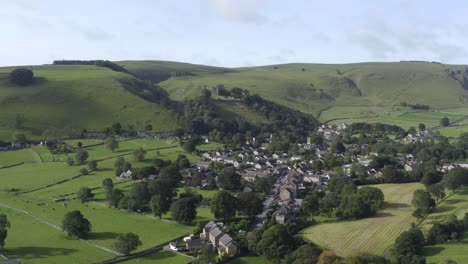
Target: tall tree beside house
112, 144
126, 243
75, 224
4, 226
120, 165
184, 211
229, 180
224, 205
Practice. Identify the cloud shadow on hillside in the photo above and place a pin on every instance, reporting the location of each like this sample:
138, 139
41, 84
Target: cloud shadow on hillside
37, 252
102, 235
395, 206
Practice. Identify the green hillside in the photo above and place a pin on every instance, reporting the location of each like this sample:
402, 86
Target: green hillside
66, 99
63, 100
363, 91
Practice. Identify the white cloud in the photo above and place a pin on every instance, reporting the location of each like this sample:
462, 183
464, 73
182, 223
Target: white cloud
244, 11
92, 34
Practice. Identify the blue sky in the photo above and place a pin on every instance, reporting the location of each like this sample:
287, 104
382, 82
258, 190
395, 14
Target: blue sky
233, 33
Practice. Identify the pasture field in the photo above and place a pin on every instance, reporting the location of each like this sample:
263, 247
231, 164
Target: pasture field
35, 242
17, 156
454, 131
456, 204
373, 235
406, 119
33, 186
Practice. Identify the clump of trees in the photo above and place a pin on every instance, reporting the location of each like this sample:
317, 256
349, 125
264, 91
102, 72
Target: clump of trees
4, 226
450, 230
423, 203
75, 224
408, 247
22, 76
343, 200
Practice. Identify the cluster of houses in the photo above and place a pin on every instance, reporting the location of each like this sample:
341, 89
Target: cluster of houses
214, 235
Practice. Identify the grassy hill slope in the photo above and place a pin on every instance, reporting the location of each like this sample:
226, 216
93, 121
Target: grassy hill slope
67, 99
362, 90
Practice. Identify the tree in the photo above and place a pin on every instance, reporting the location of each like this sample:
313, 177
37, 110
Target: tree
207, 256
437, 190
306, 254
148, 127
112, 144
75, 224
430, 177
422, 127
114, 196
310, 204
224, 205
456, 178
84, 194
409, 243
21, 138
444, 121
81, 156
229, 180
390, 174
328, 257
127, 243
4, 226
162, 194
139, 196
107, 184
183, 163
139, 154
70, 161
276, 242
206, 94
84, 171
184, 211
92, 165
22, 76
120, 165
117, 128
423, 203
250, 204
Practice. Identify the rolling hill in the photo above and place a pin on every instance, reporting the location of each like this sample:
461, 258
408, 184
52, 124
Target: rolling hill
68, 98
361, 91
63, 100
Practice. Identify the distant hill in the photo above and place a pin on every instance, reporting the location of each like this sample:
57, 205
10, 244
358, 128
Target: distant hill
66, 99
329, 91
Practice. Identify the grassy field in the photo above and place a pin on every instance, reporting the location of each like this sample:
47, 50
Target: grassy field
34, 242
32, 194
456, 204
371, 235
